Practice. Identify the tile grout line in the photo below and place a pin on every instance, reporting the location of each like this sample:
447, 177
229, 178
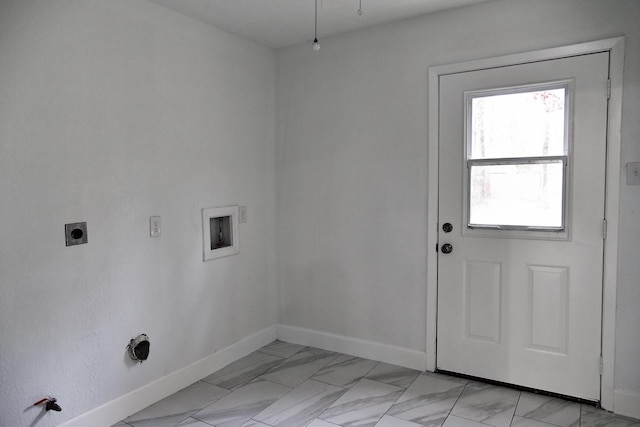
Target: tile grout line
580, 416
401, 394
455, 403
515, 409
356, 381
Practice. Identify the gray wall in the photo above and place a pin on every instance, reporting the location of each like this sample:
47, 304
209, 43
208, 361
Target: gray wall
352, 135
111, 112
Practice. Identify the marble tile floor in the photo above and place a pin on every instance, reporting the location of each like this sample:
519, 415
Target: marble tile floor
288, 385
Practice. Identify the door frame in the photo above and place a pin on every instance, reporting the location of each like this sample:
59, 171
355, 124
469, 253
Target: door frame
615, 47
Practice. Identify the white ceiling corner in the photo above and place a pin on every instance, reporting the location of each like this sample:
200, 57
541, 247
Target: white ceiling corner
280, 23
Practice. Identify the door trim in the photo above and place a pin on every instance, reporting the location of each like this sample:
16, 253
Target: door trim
615, 47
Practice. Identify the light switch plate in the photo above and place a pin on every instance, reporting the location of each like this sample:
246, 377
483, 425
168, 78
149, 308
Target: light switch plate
154, 226
633, 173
242, 214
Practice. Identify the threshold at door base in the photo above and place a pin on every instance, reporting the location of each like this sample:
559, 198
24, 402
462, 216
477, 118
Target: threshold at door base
593, 403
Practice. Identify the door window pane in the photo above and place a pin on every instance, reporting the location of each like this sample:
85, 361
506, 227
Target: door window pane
517, 195
522, 124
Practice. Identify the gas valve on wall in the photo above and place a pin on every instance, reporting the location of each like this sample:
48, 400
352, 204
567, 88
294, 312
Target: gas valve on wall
51, 404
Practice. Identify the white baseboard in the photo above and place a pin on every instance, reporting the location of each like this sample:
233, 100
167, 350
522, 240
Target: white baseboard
136, 400
130, 403
355, 347
626, 403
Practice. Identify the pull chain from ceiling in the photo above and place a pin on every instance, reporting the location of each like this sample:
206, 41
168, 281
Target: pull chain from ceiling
316, 45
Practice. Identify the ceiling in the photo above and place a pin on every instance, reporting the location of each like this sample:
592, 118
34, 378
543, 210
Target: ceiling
280, 23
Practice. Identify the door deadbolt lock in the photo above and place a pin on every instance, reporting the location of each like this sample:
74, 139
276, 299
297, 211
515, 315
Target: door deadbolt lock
447, 248
447, 227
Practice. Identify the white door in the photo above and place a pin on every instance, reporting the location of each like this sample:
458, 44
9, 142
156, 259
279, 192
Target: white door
521, 208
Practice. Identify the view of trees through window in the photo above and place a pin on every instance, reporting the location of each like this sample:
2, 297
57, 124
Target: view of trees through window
516, 159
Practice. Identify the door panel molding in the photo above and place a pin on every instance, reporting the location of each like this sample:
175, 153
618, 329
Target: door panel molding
548, 317
615, 46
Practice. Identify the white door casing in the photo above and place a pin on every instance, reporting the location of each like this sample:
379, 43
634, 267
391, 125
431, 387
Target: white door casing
544, 274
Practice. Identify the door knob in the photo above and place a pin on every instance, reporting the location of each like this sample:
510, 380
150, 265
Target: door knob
447, 227
447, 248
